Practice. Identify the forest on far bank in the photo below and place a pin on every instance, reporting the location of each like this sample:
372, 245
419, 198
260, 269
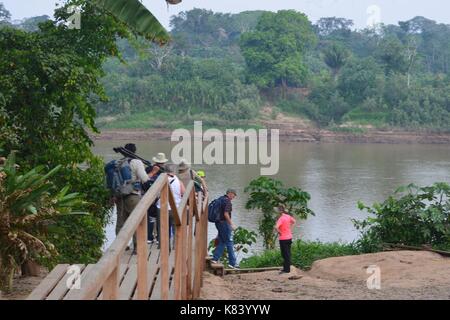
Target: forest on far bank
223, 68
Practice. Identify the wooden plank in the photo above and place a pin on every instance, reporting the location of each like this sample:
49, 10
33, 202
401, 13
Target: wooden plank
152, 269
164, 243
84, 274
185, 199
49, 283
218, 269
178, 261
61, 288
252, 270
173, 207
110, 287
122, 269
189, 244
199, 259
172, 275
183, 269
128, 284
142, 256
110, 260
126, 256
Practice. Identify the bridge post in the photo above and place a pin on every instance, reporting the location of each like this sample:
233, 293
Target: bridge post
164, 241
142, 254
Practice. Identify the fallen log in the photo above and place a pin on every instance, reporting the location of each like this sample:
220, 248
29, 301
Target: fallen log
423, 248
251, 270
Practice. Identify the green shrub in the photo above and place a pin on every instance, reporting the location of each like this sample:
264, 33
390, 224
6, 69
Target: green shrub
303, 254
412, 216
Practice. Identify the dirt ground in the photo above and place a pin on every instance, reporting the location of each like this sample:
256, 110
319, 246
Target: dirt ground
23, 286
404, 275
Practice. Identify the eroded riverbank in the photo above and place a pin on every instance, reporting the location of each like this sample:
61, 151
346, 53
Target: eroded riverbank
295, 135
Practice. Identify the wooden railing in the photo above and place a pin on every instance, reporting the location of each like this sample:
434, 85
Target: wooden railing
191, 223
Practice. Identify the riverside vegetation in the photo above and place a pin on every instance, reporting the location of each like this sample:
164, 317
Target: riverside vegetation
414, 216
223, 68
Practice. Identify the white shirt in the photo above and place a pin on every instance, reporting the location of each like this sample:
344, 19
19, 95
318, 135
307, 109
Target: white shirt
138, 171
175, 187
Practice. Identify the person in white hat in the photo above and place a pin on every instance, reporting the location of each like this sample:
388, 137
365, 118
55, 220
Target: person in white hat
159, 161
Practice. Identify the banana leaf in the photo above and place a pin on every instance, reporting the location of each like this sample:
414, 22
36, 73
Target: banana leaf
136, 16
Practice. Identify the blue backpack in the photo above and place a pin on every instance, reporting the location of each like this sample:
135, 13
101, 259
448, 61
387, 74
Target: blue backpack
215, 210
119, 178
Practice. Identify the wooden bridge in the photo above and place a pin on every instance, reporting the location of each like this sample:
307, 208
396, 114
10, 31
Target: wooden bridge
151, 273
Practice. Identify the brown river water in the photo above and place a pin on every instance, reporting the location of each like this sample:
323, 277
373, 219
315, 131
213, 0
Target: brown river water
336, 175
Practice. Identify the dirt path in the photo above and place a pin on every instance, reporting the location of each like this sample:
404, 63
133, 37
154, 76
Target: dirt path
404, 275
23, 286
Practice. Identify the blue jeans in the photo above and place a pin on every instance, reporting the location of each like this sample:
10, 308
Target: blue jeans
225, 240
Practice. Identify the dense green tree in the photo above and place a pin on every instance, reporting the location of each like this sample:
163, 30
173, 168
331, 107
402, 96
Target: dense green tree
336, 56
359, 79
333, 26
274, 52
49, 82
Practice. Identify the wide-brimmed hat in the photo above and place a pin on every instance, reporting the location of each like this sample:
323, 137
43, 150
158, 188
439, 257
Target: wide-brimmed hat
160, 158
184, 165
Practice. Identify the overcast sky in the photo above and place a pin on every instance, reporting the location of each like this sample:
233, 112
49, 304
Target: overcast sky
361, 12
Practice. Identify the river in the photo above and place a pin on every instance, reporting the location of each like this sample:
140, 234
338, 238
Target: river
336, 175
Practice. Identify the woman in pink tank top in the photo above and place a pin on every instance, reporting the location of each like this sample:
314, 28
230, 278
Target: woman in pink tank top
283, 227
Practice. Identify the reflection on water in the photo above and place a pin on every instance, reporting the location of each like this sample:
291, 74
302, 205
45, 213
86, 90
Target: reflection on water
336, 175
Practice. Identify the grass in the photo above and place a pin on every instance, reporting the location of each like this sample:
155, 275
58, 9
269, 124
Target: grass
352, 130
163, 119
303, 254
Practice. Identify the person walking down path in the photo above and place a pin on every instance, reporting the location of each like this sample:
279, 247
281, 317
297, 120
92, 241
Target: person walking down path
283, 226
225, 228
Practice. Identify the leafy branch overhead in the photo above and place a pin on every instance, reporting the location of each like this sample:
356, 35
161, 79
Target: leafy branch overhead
135, 15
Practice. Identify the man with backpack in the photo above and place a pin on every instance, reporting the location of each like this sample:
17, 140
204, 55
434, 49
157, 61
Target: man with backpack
220, 214
125, 178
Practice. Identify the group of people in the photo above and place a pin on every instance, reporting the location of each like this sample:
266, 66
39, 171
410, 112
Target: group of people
225, 228
180, 176
143, 178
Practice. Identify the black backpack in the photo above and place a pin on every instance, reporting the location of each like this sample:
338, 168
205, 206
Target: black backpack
215, 210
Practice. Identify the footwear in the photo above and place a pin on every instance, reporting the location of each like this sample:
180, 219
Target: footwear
214, 261
234, 267
284, 272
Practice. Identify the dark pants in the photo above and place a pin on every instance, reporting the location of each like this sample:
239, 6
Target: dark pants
125, 205
285, 247
171, 228
225, 241
151, 221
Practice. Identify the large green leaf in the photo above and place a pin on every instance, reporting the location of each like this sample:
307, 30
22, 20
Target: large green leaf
136, 16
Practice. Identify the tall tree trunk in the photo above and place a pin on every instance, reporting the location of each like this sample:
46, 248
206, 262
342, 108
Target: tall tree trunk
283, 88
30, 269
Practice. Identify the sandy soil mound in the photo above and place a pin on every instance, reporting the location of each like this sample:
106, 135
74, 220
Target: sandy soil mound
404, 275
